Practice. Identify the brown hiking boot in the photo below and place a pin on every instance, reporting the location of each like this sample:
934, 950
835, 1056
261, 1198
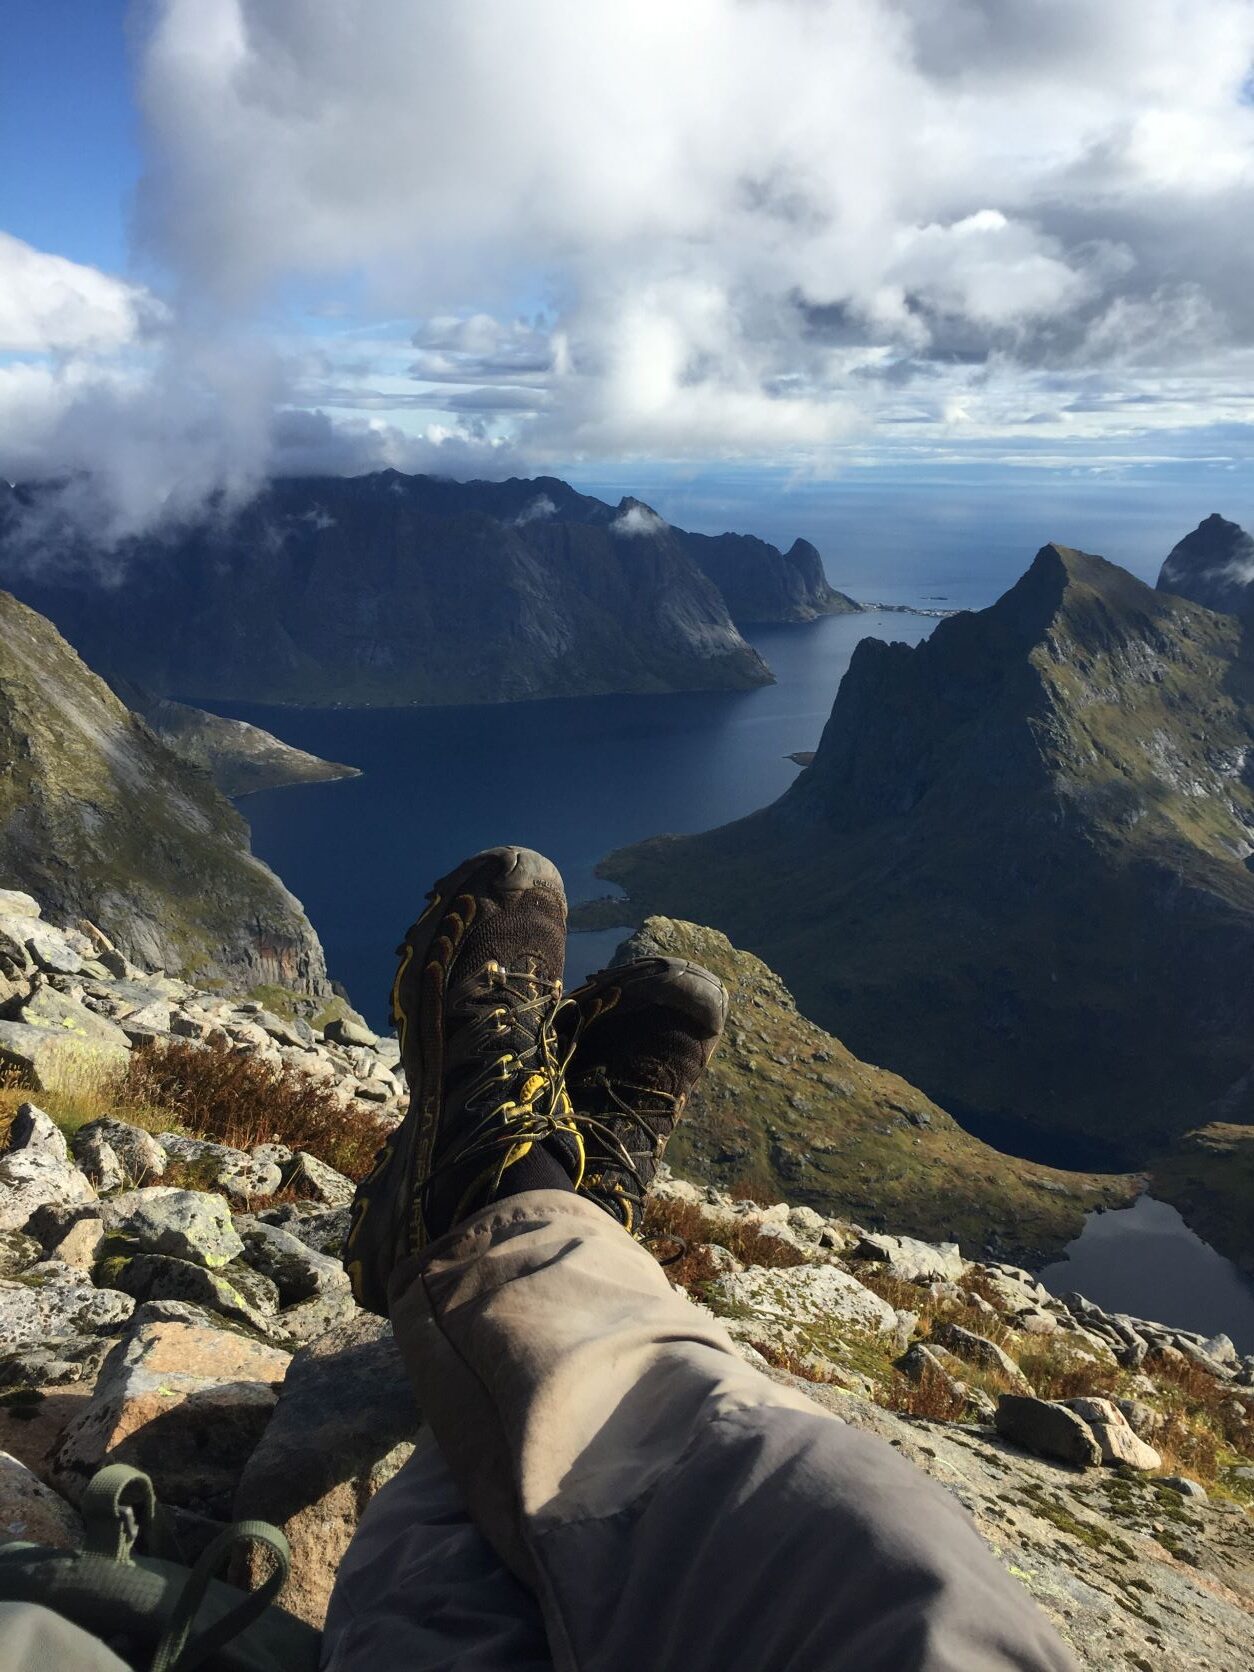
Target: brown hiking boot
642, 1036
473, 1003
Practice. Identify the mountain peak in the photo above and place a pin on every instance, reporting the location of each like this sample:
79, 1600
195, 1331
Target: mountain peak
1213, 566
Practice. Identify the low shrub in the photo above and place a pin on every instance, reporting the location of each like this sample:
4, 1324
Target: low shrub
804, 1366
238, 1099
932, 1396
669, 1224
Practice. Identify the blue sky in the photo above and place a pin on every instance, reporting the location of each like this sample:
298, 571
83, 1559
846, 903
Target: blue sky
69, 134
833, 270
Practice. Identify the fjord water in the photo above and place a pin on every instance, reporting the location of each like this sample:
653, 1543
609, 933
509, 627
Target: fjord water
574, 777
1144, 1260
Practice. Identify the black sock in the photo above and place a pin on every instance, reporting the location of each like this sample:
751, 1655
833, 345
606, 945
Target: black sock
540, 1169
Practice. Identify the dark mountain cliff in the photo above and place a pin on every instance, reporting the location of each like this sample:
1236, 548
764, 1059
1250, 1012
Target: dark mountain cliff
763, 584
99, 819
389, 589
1213, 566
1018, 870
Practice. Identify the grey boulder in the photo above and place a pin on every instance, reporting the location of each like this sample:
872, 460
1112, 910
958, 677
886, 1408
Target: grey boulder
344, 1425
36, 1133
142, 1157
1047, 1429
30, 1180
184, 1224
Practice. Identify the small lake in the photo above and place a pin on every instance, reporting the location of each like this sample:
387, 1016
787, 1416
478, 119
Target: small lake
1145, 1260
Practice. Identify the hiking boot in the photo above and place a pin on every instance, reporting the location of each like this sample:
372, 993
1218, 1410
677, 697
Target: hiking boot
641, 1037
473, 1003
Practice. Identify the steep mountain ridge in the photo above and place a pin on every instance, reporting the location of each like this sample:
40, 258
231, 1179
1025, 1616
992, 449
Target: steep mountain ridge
100, 820
391, 589
1213, 566
1017, 871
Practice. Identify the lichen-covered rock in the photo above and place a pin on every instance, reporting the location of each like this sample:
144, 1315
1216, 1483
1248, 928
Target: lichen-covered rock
15, 903
68, 1019
51, 950
235, 1172
32, 1512
1114, 1434
98, 1159
30, 1180
1048, 1429
184, 1224
79, 1245
344, 1425
322, 1229
162, 1277
42, 1363
36, 1133
17, 1251
141, 1155
184, 1403
912, 1261
51, 1299
47, 1058
977, 1349
311, 1177
805, 1294
299, 1271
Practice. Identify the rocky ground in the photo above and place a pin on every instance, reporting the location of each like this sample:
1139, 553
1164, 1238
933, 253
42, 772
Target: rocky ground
71, 1006
177, 1302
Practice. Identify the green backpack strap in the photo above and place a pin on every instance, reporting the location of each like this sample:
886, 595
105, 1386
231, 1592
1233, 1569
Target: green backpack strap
118, 1508
108, 1581
178, 1651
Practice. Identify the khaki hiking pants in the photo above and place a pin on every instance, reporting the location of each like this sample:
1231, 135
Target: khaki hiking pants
609, 1487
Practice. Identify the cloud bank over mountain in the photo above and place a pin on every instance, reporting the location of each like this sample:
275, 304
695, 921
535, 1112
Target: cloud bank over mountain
489, 235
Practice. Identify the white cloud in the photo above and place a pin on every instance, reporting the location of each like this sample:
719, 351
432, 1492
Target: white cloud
637, 522
540, 509
763, 229
51, 305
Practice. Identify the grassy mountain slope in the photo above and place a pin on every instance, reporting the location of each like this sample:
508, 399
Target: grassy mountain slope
98, 818
787, 1109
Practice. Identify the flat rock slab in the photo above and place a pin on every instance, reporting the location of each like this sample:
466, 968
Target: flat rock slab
806, 1294
1075, 1541
344, 1425
38, 1307
183, 1402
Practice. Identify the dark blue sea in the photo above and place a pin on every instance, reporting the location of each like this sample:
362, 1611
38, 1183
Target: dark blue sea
573, 777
